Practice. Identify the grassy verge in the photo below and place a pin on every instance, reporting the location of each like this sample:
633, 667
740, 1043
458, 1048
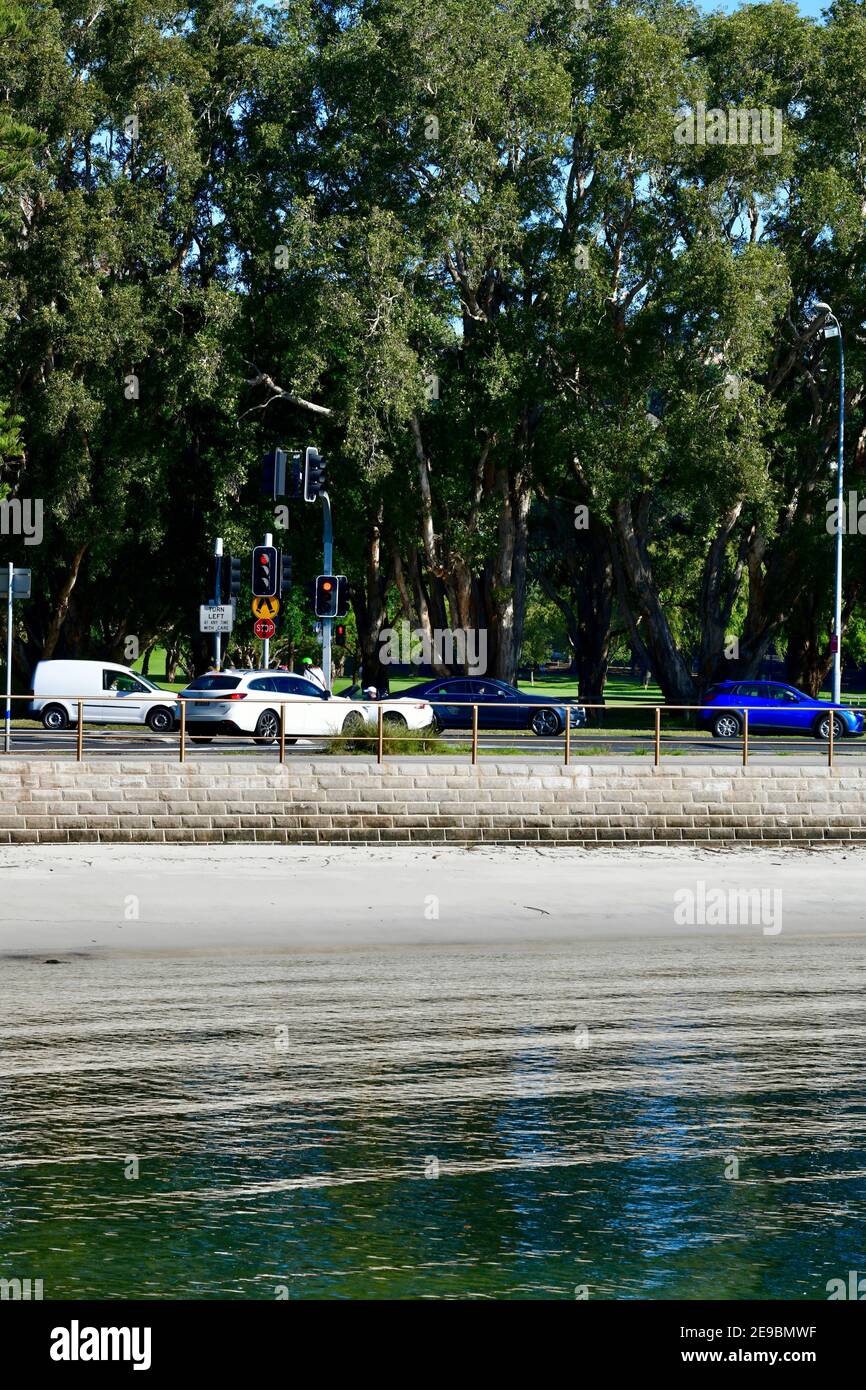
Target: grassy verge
394, 741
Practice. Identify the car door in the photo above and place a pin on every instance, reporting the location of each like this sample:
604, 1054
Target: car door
497, 708
749, 696
261, 694
776, 711
450, 716
121, 700
303, 718
796, 713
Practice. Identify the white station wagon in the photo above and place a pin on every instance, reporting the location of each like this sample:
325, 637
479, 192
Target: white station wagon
249, 702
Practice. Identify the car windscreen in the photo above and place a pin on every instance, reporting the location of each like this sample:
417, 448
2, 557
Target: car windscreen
215, 683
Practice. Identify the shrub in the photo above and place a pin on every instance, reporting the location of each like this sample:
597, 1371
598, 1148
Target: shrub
395, 741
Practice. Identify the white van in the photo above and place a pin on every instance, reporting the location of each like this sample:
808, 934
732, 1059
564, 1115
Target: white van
111, 694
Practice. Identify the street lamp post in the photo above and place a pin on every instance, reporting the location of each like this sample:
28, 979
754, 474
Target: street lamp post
834, 330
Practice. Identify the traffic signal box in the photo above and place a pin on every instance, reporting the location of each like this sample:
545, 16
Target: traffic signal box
325, 602
315, 475
265, 575
331, 596
230, 577
282, 473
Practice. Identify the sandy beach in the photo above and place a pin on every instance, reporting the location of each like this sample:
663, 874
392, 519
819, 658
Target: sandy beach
247, 897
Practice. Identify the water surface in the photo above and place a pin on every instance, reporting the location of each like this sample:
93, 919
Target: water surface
289, 1114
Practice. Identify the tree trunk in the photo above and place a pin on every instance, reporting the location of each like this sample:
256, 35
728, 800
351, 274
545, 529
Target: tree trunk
503, 584
716, 601
640, 600
370, 605
430, 608
55, 625
595, 587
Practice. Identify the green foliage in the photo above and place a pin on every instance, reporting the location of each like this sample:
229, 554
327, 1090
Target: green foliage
395, 741
230, 225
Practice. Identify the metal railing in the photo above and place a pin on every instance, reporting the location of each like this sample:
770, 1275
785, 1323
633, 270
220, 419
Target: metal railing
383, 717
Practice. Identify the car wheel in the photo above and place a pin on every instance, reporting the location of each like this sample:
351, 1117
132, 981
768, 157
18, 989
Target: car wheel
726, 726
353, 723
160, 720
267, 728
546, 723
822, 727
395, 721
55, 717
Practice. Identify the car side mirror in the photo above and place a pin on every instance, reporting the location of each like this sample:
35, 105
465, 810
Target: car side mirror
326, 694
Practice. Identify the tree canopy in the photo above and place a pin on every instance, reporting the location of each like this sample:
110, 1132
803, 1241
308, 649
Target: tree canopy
558, 351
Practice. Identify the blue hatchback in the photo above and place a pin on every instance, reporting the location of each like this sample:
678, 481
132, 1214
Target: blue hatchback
774, 707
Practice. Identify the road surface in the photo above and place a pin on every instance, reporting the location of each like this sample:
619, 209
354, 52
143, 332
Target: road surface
590, 745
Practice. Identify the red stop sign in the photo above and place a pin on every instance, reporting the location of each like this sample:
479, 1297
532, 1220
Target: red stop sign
264, 628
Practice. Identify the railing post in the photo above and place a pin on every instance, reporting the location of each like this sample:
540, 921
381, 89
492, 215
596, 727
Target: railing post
79, 733
830, 740
282, 733
567, 736
745, 738
474, 735
182, 731
380, 736
658, 737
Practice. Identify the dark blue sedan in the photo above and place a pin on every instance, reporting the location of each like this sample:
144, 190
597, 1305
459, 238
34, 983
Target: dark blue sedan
500, 706
774, 707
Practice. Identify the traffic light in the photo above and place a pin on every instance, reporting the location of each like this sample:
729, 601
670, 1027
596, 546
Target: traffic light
274, 473
342, 596
296, 470
230, 577
285, 572
315, 469
331, 597
325, 605
340, 635
264, 577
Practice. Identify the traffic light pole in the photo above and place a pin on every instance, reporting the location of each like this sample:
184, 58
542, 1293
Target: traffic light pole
7, 723
328, 558
217, 637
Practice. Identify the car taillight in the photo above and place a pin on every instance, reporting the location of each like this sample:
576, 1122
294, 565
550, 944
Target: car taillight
238, 695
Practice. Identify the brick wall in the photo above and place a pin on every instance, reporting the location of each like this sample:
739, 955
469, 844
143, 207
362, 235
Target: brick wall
330, 801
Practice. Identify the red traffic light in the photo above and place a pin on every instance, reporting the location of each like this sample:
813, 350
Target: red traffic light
264, 577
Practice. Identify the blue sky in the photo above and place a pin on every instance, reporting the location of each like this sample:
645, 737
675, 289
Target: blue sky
812, 7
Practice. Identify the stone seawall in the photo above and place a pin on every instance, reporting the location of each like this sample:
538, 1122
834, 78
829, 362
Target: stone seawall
328, 801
